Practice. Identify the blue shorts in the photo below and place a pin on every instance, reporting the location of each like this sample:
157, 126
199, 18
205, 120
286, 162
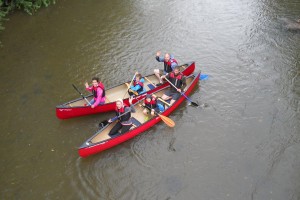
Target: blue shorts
174, 95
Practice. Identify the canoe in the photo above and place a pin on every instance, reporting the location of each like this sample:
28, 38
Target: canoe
78, 107
101, 141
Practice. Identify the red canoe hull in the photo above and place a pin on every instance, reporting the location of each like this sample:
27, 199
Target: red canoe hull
86, 150
64, 112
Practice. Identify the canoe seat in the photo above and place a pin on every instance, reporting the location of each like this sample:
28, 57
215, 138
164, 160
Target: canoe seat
135, 121
150, 86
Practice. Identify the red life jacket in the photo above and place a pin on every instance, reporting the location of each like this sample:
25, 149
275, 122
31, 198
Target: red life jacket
122, 111
167, 65
151, 104
94, 90
176, 80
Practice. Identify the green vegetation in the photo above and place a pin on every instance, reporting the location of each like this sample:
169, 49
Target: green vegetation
29, 6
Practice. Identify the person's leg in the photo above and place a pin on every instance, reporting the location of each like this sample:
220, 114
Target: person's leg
92, 101
115, 129
145, 111
175, 97
158, 74
167, 95
125, 128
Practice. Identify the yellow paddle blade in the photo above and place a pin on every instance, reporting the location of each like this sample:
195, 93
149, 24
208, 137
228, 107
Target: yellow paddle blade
167, 120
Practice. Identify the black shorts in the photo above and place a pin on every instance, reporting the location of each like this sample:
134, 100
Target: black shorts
174, 95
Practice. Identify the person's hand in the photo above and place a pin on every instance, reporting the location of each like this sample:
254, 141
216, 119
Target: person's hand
158, 53
130, 99
92, 106
109, 121
136, 72
143, 104
179, 90
163, 76
86, 84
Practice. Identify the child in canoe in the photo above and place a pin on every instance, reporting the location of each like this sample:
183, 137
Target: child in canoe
151, 104
137, 86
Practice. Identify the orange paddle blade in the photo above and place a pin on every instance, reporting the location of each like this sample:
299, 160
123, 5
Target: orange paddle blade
167, 120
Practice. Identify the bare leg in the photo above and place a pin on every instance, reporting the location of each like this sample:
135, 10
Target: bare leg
165, 97
172, 101
157, 74
145, 111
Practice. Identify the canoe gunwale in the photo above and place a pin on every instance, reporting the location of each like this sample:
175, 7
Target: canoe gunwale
65, 111
84, 148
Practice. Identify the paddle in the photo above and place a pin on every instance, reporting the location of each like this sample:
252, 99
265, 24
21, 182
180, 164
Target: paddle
83, 97
165, 119
106, 122
164, 101
150, 81
130, 90
182, 93
203, 77
130, 84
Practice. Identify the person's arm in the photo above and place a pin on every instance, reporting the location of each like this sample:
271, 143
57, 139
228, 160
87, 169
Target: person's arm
87, 87
173, 65
160, 59
132, 109
135, 88
183, 83
166, 76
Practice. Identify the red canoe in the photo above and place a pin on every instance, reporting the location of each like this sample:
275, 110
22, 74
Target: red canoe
77, 107
101, 141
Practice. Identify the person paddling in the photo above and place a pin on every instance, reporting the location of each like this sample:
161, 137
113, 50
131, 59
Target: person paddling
169, 64
137, 86
98, 91
151, 104
179, 80
125, 122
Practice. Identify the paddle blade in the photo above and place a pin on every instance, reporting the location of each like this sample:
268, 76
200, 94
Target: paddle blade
194, 104
203, 77
167, 120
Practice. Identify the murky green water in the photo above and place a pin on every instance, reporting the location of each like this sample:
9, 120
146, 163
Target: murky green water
244, 145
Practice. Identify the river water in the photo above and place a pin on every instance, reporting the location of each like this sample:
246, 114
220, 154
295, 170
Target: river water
244, 144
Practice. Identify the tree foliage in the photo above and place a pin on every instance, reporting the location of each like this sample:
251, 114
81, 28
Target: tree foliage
29, 6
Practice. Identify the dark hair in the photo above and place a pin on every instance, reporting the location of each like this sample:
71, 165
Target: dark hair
95, 78
138, 75
177, 67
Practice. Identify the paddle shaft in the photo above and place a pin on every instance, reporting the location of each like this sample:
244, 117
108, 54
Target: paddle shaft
116, 117
150, 81
81, 94
128, 86
112, 119
163, 101
130, 90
